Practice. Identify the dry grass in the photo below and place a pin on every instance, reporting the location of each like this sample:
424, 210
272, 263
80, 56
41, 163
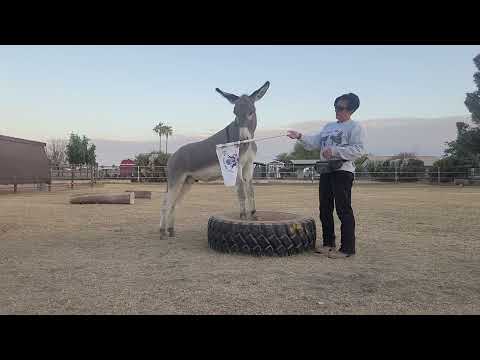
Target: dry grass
418, 252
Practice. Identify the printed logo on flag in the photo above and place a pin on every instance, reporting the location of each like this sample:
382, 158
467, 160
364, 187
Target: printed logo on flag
230, 161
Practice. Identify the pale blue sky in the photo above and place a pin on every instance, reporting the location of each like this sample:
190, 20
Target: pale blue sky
120, 92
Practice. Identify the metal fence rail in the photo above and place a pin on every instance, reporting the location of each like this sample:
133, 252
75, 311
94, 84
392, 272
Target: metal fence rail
145, 174
71, 177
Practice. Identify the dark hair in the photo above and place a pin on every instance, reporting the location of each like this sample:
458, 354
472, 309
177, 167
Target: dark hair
352, 99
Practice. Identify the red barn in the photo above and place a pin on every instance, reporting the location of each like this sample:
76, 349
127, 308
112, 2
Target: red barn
127, 168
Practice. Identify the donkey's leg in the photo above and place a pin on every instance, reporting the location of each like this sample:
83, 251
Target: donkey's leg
169, 203
163, 215
187, 185
240, 184
248, 176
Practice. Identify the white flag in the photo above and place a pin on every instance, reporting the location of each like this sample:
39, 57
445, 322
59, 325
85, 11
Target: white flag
228, 156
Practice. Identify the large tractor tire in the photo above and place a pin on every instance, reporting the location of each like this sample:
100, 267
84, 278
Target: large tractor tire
273, 234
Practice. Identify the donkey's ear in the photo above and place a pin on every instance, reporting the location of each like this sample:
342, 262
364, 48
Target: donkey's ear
230, 97
258, 94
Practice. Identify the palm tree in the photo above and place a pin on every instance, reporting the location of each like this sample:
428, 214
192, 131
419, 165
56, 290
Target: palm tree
159, 130
167, 131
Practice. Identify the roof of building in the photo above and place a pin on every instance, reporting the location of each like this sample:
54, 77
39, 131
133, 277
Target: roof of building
127, 162
276, 162
304, 162
18, 140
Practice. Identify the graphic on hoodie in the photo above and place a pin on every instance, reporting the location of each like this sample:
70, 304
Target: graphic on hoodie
332, 138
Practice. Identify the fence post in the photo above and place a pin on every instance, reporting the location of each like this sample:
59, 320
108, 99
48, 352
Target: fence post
396, 175
438, 175
138, 173
73, 175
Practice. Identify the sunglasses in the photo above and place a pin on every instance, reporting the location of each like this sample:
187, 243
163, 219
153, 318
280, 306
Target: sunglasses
340, 108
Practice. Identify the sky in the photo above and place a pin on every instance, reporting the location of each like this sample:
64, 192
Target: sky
119, 93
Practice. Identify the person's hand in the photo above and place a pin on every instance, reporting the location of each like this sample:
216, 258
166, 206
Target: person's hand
327, 153
294, 134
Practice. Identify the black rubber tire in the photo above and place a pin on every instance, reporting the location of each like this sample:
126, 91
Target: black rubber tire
262, 238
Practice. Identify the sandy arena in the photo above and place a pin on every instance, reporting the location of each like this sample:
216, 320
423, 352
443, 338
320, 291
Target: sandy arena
418, 252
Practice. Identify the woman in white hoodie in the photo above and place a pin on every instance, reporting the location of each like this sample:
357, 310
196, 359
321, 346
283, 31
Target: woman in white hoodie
340, 140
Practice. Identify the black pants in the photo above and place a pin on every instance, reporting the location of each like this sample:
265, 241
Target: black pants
337, 187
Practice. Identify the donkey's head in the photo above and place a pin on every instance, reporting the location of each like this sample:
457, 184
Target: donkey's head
244, 110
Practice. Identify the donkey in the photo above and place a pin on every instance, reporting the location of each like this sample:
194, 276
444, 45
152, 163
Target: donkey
198, 161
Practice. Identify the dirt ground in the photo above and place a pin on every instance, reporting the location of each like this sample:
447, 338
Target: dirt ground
418, 252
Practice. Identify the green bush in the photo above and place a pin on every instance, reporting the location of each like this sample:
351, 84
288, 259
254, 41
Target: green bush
149, 174
406, 170
451, 168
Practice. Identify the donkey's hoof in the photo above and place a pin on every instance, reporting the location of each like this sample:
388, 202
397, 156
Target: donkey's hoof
253, 217
243, 216
163, 234
171, 232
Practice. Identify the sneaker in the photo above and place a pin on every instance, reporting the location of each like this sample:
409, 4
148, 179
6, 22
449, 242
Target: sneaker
325, 250
338, 255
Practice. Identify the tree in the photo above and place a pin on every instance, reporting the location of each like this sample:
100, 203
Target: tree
450, 167
300, 153
56, 152
411, 170
467, 144
283, 157
167, 131
143, 159
401, 167
91, 156
75, 154
464, 152
79, 152
159, 130
472, 101
158, 171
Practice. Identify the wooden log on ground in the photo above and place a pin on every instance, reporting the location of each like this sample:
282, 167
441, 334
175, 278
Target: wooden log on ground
141, 194
104, 199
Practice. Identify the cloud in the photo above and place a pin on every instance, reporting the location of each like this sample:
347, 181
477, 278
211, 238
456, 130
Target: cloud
111, 152
424, 136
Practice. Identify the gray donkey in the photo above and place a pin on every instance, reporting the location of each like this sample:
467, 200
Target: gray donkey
198, 161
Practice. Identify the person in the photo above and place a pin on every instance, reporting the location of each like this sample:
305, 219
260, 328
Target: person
340, 140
